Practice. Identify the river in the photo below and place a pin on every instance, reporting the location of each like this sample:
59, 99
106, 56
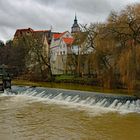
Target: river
53, 114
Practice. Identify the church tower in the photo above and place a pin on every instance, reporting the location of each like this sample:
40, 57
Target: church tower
75, 28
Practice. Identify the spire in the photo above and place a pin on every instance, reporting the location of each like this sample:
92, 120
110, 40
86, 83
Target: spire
75, 28
75, 16
75, 20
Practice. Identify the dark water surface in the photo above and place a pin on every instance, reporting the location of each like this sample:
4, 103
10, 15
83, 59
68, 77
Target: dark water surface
39, 117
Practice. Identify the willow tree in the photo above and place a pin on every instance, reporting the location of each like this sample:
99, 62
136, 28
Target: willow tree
104, 58
124, 27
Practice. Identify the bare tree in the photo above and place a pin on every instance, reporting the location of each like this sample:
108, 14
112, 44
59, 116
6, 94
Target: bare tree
39, 55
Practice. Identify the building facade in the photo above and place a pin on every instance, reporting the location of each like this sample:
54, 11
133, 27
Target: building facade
59, 49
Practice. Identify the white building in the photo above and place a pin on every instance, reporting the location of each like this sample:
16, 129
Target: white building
60, 47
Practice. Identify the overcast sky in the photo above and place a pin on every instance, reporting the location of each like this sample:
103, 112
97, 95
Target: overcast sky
42, 14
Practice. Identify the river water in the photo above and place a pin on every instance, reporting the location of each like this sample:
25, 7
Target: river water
52, 114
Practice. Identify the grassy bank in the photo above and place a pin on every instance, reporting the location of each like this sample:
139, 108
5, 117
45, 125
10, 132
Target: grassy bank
72, 86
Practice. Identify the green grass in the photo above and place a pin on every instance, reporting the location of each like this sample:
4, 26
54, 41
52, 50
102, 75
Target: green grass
64, 77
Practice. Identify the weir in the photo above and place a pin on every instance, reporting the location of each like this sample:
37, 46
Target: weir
118, 103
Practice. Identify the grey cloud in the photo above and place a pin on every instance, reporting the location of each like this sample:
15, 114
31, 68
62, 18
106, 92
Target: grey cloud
48, 2
90, 6
41, 14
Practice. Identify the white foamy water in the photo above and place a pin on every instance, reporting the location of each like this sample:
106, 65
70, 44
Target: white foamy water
89, 104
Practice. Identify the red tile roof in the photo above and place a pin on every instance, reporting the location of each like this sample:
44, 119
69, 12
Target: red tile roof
68, 40
57, 35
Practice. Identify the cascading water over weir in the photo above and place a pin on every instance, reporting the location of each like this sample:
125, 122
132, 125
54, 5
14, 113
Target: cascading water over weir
78, 99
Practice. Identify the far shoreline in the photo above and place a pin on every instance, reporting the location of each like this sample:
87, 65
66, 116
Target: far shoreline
73, 86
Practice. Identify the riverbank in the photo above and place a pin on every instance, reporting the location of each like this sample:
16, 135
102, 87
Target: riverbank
72, 86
